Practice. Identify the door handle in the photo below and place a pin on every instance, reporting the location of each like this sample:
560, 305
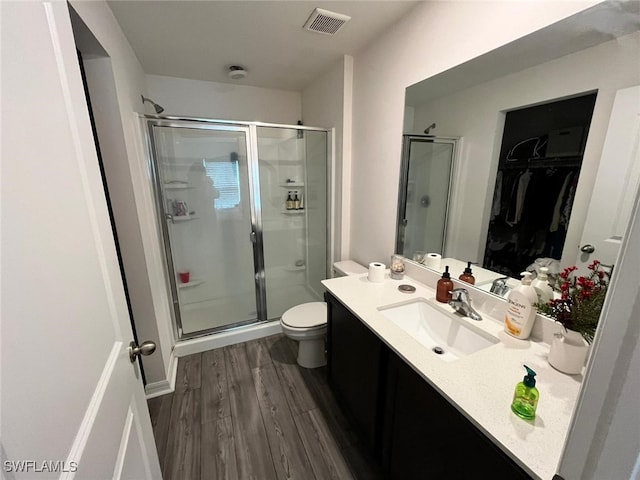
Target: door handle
252, 237
588, 248
146, 348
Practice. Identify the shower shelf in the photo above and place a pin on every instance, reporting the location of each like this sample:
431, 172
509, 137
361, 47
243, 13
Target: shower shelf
292, 184
293, 212
293, 268
177, 186
183, 218
192, 283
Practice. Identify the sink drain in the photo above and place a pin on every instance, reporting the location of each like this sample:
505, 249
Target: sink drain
438, 350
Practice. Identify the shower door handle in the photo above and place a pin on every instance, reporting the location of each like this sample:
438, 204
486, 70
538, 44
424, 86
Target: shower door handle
252, 237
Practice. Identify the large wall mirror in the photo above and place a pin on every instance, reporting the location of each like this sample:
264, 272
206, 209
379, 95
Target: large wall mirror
558, 109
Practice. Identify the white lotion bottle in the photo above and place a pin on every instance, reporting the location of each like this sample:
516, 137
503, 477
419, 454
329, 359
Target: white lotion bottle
520, 314
541, 284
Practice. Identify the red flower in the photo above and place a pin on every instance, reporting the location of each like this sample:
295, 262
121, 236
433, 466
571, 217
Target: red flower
581, 299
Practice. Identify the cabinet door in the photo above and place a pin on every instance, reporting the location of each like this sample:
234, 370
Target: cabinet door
354, 358
426, 437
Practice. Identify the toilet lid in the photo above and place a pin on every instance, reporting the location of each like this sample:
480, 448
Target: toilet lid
306, 315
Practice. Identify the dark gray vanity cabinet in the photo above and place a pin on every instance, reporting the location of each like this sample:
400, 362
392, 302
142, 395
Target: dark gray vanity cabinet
407, 425
426, 437
354, 370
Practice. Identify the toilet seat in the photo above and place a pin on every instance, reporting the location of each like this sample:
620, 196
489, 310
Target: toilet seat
306, 315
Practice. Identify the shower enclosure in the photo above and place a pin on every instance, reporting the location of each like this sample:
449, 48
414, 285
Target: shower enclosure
425, 184
237, 251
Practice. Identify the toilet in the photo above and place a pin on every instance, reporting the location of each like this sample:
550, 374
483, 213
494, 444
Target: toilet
307, 323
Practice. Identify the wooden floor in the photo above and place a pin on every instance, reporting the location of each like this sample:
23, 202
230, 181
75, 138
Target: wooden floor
248, 411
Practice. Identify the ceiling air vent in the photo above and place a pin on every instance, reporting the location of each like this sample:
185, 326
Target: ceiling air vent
326, 22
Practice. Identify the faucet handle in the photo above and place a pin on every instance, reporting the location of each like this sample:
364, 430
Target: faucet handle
460, 294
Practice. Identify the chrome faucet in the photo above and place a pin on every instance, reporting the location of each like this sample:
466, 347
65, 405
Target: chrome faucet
499, 286
461, 302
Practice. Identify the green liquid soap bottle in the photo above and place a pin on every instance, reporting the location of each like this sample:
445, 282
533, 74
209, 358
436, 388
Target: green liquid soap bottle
525, 398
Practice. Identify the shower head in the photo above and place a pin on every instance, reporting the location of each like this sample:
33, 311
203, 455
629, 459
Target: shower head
156, 107
428, 129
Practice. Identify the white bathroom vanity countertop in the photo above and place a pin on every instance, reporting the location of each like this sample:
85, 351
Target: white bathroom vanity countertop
480, 385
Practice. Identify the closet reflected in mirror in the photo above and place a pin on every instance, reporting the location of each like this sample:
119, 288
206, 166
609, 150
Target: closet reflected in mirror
538, 170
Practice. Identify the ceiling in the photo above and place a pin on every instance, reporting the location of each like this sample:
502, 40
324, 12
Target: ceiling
201, 39
600, 23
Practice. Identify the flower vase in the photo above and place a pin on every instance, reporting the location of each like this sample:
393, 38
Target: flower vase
568, 352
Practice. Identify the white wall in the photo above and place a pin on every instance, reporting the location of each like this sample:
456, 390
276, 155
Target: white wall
327, 103
435, 36
138, 232
197, 98
604, 440
476, 114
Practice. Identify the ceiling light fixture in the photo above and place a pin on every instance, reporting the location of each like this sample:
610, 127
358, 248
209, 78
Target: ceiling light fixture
236, 72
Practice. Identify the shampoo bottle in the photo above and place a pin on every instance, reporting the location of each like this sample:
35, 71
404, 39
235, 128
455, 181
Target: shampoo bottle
541, 284
444, 287
525, 397
467, 276
520, 314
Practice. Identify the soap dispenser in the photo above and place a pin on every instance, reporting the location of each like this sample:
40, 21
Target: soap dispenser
444, 287
541, 284
467, 276
521, 312
525, 397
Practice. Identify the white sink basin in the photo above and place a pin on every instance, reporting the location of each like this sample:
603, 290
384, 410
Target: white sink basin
441, 333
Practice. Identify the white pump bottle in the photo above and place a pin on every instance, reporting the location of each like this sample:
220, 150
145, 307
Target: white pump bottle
521, 314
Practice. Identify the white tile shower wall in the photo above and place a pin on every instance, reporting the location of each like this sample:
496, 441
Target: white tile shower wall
215, 246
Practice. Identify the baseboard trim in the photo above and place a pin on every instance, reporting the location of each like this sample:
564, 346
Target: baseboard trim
163, 387
209, 342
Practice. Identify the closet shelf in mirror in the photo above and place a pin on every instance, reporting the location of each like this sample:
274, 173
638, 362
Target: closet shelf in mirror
193, 283
546, 162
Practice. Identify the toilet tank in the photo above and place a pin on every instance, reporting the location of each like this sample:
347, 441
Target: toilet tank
347, 267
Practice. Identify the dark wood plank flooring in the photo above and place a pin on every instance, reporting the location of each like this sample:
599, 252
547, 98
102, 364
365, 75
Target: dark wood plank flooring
248, 411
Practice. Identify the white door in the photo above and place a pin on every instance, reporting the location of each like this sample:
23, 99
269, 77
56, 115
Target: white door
616, 183
72, 402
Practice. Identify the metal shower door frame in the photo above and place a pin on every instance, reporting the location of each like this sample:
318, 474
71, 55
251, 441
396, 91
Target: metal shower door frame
251, 144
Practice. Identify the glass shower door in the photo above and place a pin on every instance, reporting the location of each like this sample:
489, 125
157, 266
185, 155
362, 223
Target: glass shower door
202, 176
293, 188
